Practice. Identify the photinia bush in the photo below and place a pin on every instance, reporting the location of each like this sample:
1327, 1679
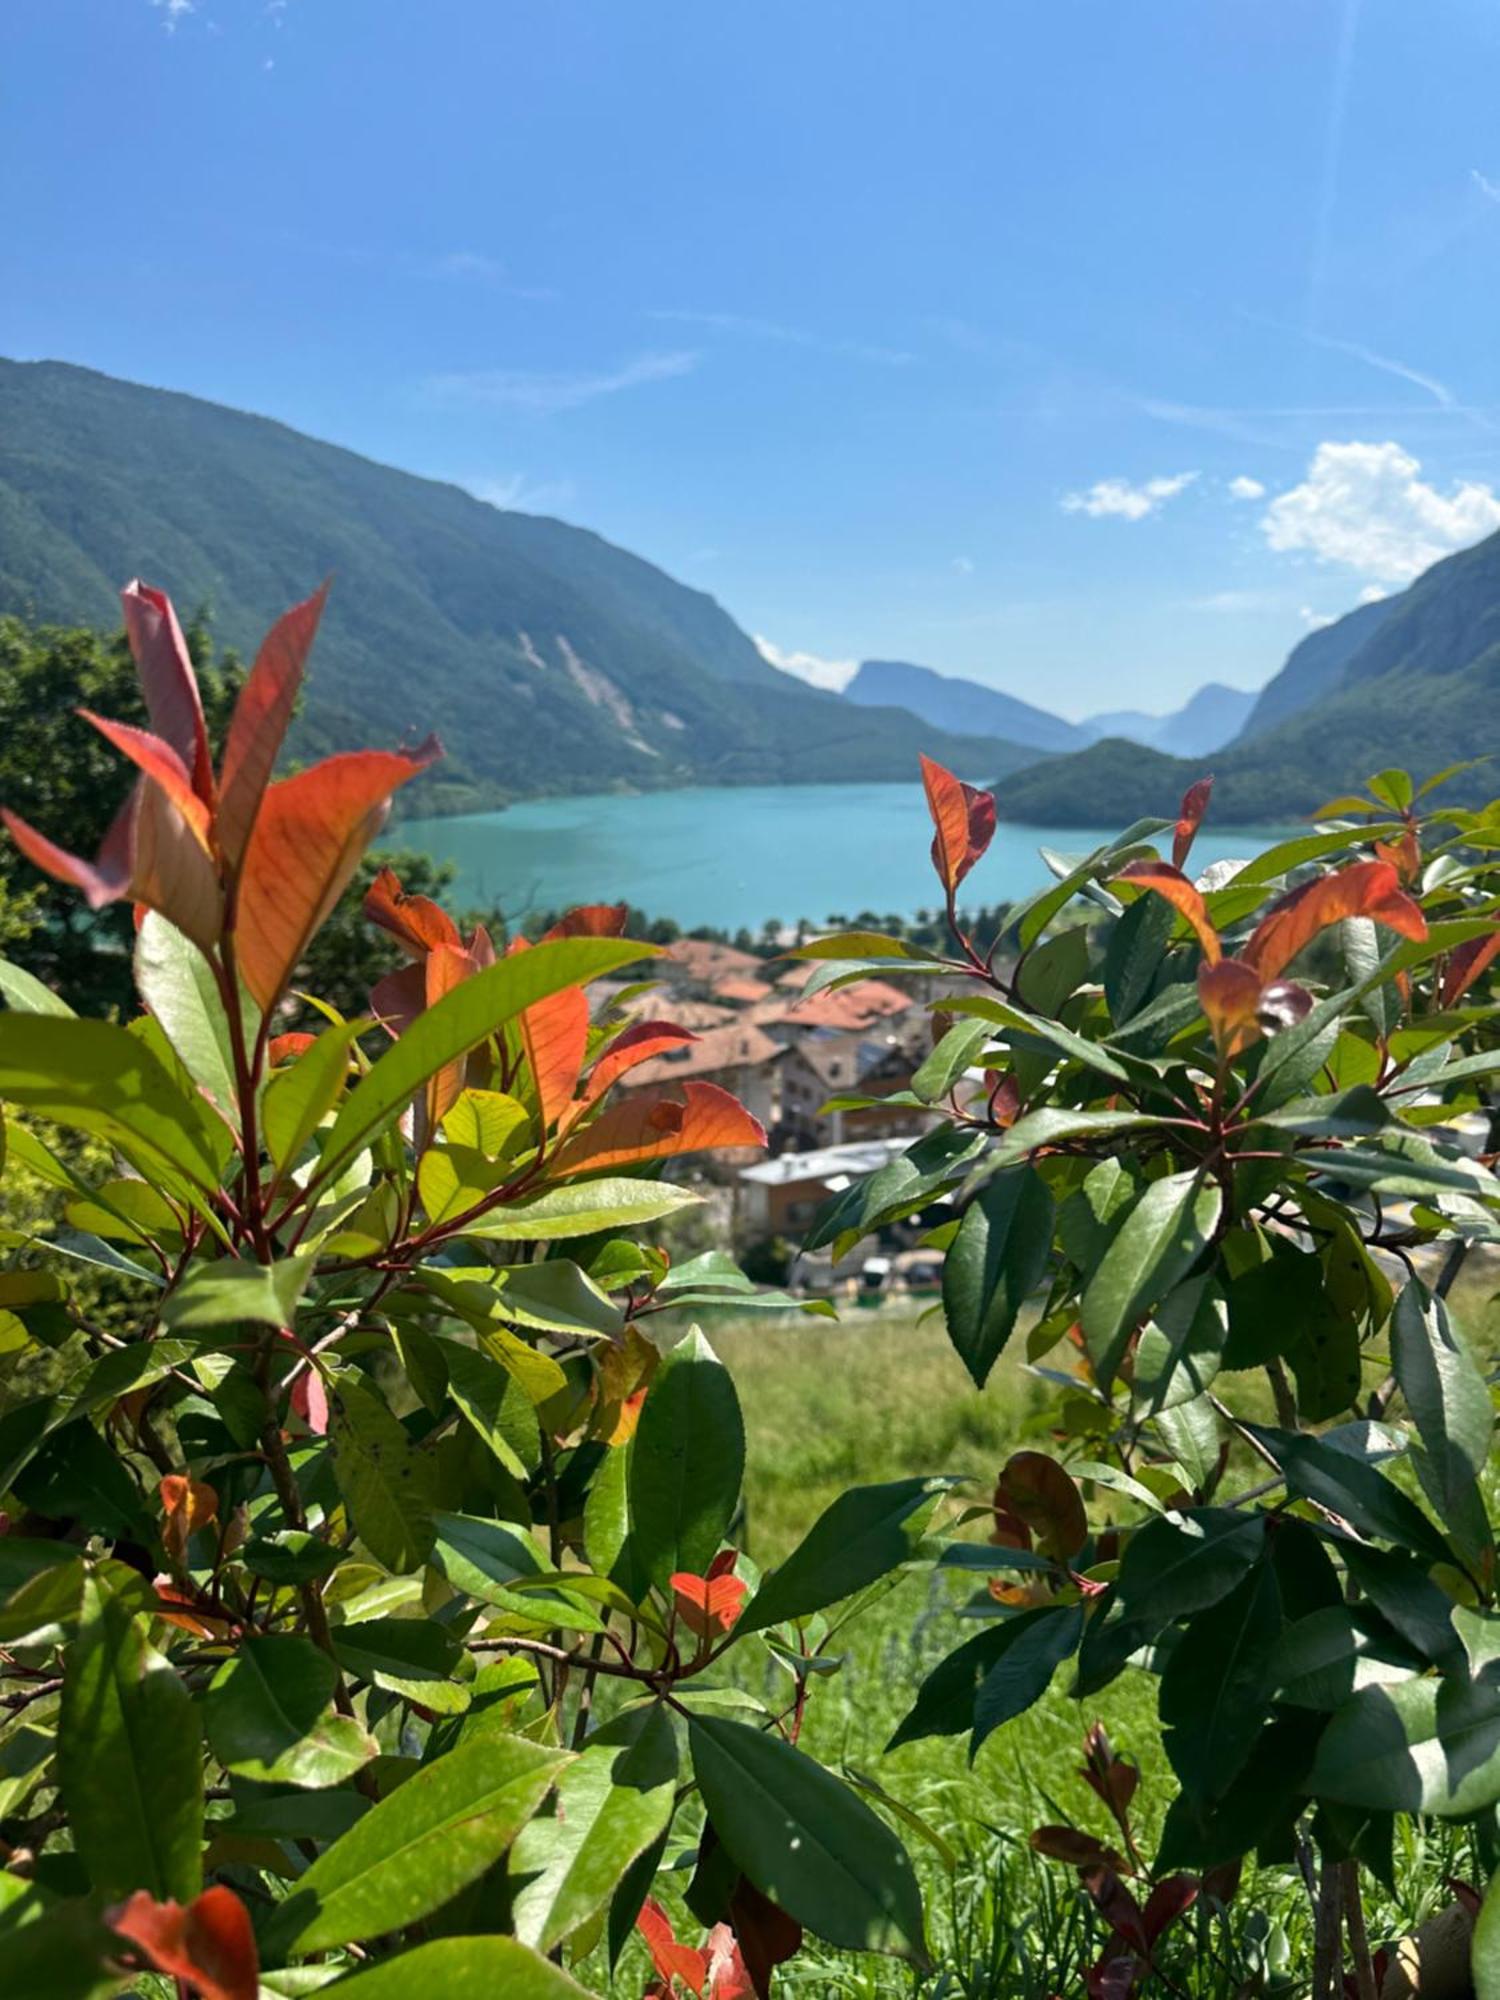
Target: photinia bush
367, 1568
1234, 1138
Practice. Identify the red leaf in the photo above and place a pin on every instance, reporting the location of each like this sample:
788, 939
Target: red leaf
1114, 1977
692, 1117
635, 1044
1066, 1843
103, 881
442, 970
1229, 994
708, 1605
1465, 966
160, 762
168, 681
671, 1959
964, 818
417, 923
1404, 855
767, 1936
555, 1036
1167, 1902
1118, 1907
210, 1943
308, 837
591, 920
286, 1048
171, 869
1364, 889
727, 1976
260, 720
1184, 898
399, 998
309, 1401
1190, 818
1041, 1494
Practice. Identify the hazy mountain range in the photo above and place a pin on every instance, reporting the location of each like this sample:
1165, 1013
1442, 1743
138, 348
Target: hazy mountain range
552, 661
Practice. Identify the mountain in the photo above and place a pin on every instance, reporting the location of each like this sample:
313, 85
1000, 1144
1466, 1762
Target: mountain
1413, 680
965, 706
1211, 717
547, 659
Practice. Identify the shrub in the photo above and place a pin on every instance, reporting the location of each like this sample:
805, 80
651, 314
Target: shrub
365, 1582
1236, 1194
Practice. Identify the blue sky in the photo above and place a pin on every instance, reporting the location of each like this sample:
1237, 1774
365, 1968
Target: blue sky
1091, 349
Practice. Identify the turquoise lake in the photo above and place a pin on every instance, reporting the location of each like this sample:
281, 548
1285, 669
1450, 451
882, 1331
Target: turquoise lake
733, 856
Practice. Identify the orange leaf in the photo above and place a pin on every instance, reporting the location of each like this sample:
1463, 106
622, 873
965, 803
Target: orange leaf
1041, 1494
692, 1117
728, 1978
172, 871
175, 1607
1190, 818
1465, 966
1404, 855
260, 720
161, 764
635, 1044
1184, 898
417, 923
286, 1048
210, 1943
555, 1036
1364, 889
103, 881
188, 1505
709, 1605
671, 1959
308, 837
964, 819
443, 969
1229, 994
168, 681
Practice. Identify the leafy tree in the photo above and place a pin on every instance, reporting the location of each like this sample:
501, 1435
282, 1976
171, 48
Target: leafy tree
363, 1595
1198, 1161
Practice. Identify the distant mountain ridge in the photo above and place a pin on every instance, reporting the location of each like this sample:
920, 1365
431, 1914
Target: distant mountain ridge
548, 659
1211, 717
1413, 680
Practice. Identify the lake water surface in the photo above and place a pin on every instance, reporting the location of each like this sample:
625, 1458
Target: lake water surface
736, 855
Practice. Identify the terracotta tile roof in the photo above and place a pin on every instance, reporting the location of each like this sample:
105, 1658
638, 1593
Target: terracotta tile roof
694, 1014
741, 990
796, 977
851, 1007
740, 1046
700, 960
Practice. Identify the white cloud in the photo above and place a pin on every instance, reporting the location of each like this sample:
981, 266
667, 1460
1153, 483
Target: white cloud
810, 667
174, 11
1244, 488
1117, 497
1363, 507
1314, 620
543, 393
513, 491
1234, 601
1490, 189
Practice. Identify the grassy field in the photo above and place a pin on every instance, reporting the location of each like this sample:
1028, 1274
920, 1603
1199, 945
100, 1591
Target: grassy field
873, 1397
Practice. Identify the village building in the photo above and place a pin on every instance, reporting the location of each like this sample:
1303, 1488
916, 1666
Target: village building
780, 1197
741, 1058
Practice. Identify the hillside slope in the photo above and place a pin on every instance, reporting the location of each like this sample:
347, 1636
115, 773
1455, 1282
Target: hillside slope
966, 706
1413, 680
548, 659
1207, 719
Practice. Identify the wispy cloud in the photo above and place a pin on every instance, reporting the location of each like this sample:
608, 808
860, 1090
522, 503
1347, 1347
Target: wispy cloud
543, 392
1235, 602
173, 12
1363, 507
1488, 188
1245, 488
516, 493
1440, 393
750, 328
1120, 500
962, 565
810, 667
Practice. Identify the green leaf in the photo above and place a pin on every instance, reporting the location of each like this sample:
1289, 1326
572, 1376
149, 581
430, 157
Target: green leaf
231, 1289
1366, 1499
496, 1404
997, 1260
1022, 1671
1180, 1564
496, 1563
1181, 1347
177, 984
1217, 1681
945, 1701
129, 1762
269, 1716
935, 1162
413, 1852
297, 1099
386, 1483
583, 1209
1484, 1961
687, 1462
558, 1298
613, 1802
1051, 1128
101, 1079
807, 1841
954, 1053
25, 994
866, 1533
1449, 1402
1430, 1745
462, 1968
1153, 1250
1094, 1055
458, 1022
1137, 946
413, 1657
1343, 1114
1408, 1166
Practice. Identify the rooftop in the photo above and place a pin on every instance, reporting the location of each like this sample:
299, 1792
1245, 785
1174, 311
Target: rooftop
741, 1045
701, 960
828, 1163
